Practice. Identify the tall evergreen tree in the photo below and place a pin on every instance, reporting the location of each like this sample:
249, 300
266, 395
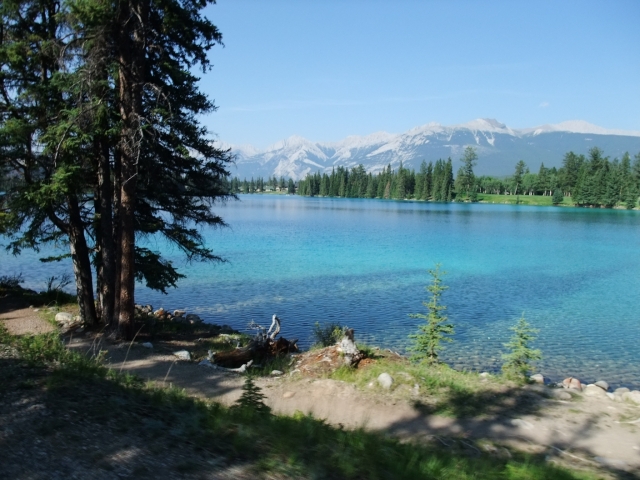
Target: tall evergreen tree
119, 124
469, 160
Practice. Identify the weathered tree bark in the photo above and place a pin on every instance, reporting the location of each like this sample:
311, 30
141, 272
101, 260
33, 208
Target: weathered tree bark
352, 355
81, 263
105, 258
131, 46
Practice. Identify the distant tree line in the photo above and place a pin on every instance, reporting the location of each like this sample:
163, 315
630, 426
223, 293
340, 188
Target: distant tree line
259, 185
591, 181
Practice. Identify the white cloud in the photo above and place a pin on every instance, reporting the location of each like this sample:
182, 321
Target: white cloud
544, 104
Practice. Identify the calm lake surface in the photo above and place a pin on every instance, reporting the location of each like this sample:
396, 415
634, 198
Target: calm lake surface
573, 272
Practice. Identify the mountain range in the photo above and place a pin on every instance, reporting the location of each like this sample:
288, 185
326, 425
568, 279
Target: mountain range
498, 147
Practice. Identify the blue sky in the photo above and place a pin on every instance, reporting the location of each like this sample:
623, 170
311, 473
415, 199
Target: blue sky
327, 69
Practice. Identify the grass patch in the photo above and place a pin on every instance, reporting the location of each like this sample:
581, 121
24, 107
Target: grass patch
442, 390
541, 200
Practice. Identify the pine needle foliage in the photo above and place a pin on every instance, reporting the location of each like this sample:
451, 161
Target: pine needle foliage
427, 342
517, 362
252, 399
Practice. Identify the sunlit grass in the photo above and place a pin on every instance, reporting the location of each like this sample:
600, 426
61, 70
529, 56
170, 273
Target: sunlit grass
541, 200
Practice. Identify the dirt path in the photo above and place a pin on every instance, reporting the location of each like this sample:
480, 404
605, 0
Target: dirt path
19, 319
584, 431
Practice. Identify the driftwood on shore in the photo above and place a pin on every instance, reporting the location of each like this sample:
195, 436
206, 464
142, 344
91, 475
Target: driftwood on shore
262, 346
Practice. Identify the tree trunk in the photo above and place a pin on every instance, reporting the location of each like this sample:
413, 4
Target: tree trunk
106, 274
81, 263
131, 74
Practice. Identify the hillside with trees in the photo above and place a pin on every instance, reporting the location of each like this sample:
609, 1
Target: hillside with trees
593, 180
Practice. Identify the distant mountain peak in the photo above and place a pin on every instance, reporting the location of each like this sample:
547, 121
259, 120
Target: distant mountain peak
498, 147
579, 126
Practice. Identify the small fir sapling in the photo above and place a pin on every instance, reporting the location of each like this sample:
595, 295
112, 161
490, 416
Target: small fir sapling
427, 342
517, 362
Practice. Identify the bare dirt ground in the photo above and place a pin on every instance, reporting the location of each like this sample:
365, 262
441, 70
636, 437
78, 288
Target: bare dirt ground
19, 319
586, 432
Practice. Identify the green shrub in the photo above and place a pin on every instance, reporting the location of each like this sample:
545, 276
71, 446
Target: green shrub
327, 334
10, 282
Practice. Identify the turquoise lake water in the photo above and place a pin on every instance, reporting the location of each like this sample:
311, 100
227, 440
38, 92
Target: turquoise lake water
573, 272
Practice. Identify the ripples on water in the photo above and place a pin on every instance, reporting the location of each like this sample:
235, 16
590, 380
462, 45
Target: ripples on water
573, 272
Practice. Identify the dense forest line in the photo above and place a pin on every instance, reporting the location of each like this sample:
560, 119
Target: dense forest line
589, 180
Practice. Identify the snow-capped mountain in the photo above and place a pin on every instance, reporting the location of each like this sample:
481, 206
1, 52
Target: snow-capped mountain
499, 148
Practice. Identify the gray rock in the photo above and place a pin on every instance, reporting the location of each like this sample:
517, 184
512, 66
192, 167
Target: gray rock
518, 422
159, 312
602, 384
276, 373
193, 318
610, 395
178, 313
485, 374
560, 395
621, 390
385, 380
147, 344
611, 462
537, 378
633, 397
182, 355
288, 394
592, 390
572, 384
64, 317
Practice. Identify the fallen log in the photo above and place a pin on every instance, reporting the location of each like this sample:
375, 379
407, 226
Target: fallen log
256, 351
261, 347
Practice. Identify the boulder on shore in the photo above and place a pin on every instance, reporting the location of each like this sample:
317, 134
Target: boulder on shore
64, 317
537, 378
602, 384
572, 384
385, 380
193, 318
592, 390
633, 397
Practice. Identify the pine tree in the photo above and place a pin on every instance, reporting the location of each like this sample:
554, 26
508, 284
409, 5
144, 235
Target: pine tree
469, 160
251, 401
557, 198
427, 343
517, 362
113, 119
